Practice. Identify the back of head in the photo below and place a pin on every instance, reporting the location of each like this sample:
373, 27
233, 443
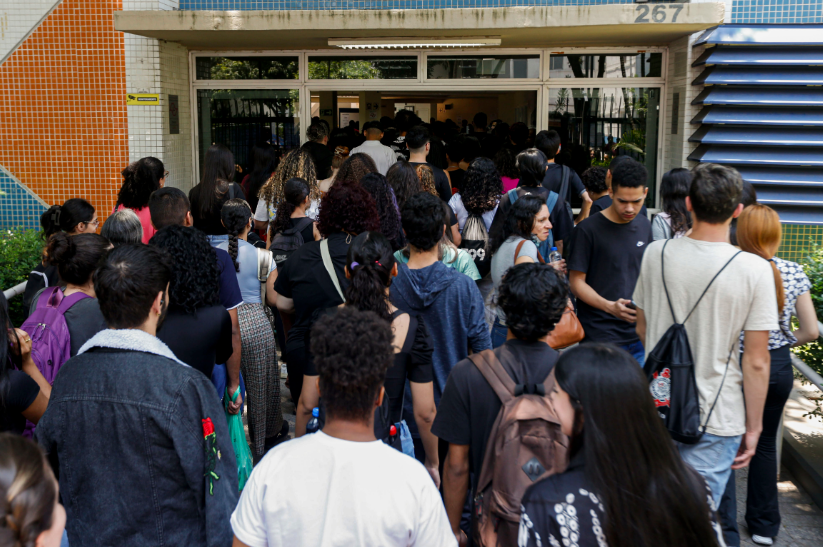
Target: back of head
122, 227
378, 188
548, 142
348, 208
629, 174
749, 196
533, 297
369, 263
236, 217
674, 189
480, 121
437, 154
195, 277
759, 232
373, 130
66, 217
417, 137
617, 160
168, 206
316, 132
266, 159
471, 148
140, 179
426, 176
506, 164
76, 257
295, 193
519, 133
455, 148
594, 180
482, 186
532, 166
628, 452
423, 220
352, 350
218, 170
128, 282
404, 120
715, 192
403, 179
356, 167
28, 492
296, 164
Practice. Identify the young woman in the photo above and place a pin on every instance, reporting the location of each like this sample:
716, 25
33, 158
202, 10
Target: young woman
379, 189
75, 216
674, 220
30, 511
506, 165
355, 168
296, 202
482, 188
759, 232
370, 268
123, 227
296, 164
403, 179
215, 188
626, 484
426, 176
341, 154
140, 179
258, 361
748, 199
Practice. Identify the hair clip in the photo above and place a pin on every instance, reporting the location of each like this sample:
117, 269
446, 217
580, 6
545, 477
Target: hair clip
378, 263
354, 265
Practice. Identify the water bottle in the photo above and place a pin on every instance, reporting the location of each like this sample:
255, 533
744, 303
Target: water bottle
555, 256
314, 423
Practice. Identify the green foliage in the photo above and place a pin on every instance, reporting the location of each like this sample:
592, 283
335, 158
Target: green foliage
20, 253
812, 354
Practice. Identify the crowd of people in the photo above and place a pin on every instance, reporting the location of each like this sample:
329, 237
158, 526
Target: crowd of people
426, 295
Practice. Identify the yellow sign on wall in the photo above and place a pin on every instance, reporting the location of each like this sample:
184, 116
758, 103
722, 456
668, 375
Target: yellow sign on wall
143, 99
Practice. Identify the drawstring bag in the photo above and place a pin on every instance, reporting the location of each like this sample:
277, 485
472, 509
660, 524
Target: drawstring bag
238, 441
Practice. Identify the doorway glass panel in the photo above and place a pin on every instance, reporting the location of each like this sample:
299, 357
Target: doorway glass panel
636, 65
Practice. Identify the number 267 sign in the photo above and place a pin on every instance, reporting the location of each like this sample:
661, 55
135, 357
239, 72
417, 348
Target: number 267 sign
660, 13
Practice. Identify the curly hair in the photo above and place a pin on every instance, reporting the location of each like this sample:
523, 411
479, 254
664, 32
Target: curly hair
426, 176
594, 179
195, 279
533, 297
505, 163
423, 217
76, 257
294, 194
352, 350
235, 215
519, 221
296, 164
347, 207
355, 168
376, 185
370, 262
29, 492
140, 179
403, 179
482, 187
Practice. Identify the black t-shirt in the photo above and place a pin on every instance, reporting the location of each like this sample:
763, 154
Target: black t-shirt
84, 319
457, 177
322, 157
562, 224
304, 279
610, 255
554, 178
40, 277
20, 393
211, 224
307, 232
604, 202
200, 340
469, 406
441, 180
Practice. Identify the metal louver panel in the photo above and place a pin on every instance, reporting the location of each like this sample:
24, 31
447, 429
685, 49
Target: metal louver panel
763, 112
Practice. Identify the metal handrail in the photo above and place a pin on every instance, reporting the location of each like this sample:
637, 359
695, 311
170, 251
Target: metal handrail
14, 291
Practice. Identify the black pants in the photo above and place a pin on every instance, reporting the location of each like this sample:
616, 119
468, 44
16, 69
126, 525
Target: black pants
296, 364
762, 510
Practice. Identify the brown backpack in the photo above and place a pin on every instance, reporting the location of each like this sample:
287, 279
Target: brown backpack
525, 445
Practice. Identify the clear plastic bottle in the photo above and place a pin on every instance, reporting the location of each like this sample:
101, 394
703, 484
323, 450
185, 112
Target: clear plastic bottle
314, 423
555, 255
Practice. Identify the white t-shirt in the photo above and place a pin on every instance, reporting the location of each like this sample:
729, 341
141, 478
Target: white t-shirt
383, 156
462, 214
264, 213
321, 491
742, 298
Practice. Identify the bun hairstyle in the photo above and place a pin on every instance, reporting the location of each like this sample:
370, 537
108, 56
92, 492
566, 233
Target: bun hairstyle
76, 257
759, 232
28, 492
369, 262
140, 179
66, 217
235, 214
294, 193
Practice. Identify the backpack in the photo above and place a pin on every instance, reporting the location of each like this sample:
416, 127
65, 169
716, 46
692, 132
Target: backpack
525, 445
476, 243
286, 242
670, 370
564, 191
543, 247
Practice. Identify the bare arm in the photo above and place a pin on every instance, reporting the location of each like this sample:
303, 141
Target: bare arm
456, 236
309, 398
756, 365
271, 295
261, 224
424, 413
456, 485
27, 363
641, 326
238, 543
587, 294
35, 410
233, 364
285, 305
559, 245
585, 209
806, 316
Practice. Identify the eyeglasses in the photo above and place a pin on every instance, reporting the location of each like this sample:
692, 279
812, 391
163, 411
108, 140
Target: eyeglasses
95, 222
165, 174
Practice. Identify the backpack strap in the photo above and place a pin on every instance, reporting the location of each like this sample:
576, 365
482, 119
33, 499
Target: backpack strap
517, 250
49, 298
300, 224
512, 195
264, 258
551, 201
324, 253
709, 285
69, 301
492, 370
564, 181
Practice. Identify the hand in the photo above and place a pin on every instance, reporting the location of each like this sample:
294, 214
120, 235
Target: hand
747, 449
462, 540
621, 310
24, 348
434, 470
559, 265
235, 406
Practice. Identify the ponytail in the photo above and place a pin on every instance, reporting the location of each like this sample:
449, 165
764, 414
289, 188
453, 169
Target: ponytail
235, 214
370, 262
759, 232
66, 217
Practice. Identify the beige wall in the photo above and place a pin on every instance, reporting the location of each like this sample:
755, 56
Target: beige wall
465, 109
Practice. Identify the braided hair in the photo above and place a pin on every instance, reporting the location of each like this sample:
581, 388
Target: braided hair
294, 193
370, 262
235, 214
296, 164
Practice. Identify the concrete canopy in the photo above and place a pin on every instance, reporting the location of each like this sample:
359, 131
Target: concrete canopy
518, 27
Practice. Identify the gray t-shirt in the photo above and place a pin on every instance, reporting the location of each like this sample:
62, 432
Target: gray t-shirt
83, 319
504, 259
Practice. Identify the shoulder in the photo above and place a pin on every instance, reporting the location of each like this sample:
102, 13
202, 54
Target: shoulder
456, 201
560, 488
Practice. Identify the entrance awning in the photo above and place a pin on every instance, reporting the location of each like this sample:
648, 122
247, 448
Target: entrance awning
517, 27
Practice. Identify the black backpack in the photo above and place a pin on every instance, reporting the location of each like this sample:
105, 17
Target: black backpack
286, 242
476, 242
563, 191
670, 370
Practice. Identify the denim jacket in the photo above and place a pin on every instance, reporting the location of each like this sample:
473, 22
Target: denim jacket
131, 429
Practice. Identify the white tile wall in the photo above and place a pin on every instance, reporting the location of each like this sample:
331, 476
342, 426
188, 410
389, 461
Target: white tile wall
18, 19
680, 76
177, 150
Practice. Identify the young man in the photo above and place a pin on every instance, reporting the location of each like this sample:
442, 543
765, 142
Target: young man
318, 137
533, 298
170, 206
742, 298
548, 142
382, 155
604, 262
418, 140
144, 453
604, 200
341, 485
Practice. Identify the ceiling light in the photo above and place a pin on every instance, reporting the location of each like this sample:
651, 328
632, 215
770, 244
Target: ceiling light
413, 43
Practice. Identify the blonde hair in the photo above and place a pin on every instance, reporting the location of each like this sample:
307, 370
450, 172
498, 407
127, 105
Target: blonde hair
296, 164
759, 232
426, 176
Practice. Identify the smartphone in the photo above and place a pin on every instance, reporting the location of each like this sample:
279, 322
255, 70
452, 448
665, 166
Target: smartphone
631, 305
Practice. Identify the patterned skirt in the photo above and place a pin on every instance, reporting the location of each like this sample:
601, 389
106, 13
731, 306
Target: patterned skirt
258, 363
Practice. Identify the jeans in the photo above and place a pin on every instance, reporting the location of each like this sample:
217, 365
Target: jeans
636, 350
712, 457
499, 333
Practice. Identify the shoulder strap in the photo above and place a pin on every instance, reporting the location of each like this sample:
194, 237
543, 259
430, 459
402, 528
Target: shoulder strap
512, 195
69, 301
710, 284
517, 250
52, 298
492, 370
301, 224
564, 184
411, 334
263, 264
324, 252
551, 201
